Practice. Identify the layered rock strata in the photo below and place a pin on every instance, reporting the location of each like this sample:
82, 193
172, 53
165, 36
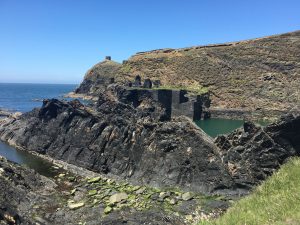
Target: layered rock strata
137, 143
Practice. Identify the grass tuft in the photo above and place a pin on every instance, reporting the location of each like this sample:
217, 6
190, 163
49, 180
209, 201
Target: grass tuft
275, 202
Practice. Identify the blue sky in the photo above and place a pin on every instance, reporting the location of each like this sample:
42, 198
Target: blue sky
56, 41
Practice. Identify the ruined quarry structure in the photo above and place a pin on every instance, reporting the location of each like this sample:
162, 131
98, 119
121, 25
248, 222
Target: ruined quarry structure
176, 102
147, 83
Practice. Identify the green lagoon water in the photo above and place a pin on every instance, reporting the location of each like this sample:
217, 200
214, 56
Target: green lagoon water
215, 127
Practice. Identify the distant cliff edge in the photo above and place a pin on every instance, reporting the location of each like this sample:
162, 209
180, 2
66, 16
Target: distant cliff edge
260, 76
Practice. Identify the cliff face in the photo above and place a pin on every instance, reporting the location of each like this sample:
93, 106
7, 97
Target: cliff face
118, 139
253, 153
261, 74
98, 77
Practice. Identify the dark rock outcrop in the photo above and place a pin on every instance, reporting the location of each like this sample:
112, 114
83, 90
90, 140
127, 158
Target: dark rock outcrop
253, 153
27, 198
119, 139
18, 187
139, 142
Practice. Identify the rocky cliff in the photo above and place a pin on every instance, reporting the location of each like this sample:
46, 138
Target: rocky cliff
260, 75
98, 77
114, 138
253, 153
142, 145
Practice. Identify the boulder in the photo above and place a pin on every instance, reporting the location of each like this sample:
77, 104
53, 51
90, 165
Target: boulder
76, 205
94, 180
118, 197
108, 209
187, 196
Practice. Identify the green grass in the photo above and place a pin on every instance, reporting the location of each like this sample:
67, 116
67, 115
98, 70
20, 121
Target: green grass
191, 90
199, 90
275, 202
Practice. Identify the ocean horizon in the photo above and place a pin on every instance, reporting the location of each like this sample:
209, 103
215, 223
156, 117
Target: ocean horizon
23, 97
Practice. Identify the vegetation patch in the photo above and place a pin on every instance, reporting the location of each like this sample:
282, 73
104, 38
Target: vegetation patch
110, 195
275, 202
199, 90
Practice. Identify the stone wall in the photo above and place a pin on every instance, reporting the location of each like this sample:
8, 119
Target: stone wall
176, 102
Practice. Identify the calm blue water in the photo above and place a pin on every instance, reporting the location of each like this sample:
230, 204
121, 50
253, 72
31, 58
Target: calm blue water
25, 97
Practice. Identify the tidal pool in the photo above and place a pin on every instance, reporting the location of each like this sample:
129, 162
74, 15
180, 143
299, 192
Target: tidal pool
40, 165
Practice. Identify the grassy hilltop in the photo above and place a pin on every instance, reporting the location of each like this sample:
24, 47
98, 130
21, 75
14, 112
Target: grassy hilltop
260, 73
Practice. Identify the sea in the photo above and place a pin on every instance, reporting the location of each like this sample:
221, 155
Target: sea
24, 97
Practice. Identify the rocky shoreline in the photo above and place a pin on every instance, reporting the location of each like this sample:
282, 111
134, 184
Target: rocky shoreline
134, 143
68, 198
140, 144
159, 166
4, 113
